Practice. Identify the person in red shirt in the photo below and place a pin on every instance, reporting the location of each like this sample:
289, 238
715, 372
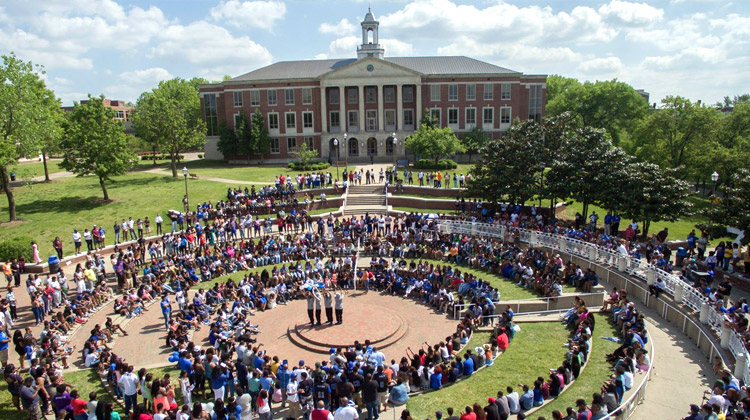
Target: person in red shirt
79, 406
469, 414
502, 341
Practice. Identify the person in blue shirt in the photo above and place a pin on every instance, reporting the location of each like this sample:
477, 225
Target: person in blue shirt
219, 378
468, 365
538, 396
527, 399
436, 378
166, 310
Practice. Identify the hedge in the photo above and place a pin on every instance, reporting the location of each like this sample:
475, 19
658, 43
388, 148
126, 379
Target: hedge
311, 166
15, 246
441, 164
161, 157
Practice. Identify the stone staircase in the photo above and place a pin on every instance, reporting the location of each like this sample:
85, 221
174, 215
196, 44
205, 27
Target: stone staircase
363, 199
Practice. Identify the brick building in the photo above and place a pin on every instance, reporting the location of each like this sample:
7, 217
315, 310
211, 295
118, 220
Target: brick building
362, 102
123, 112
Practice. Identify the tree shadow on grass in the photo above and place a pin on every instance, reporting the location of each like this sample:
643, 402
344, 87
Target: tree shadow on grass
61, 204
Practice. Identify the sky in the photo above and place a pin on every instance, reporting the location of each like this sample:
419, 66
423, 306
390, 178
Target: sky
699, 49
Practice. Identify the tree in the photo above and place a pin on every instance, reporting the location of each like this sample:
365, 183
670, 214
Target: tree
170, 116
428, 119
228, 143
24, 117
306, 154
678, 135
732, 209
474, 140
260, 135
434, 142
649, 193
612, 105
51, 130
95, 143
510, 165
245, 141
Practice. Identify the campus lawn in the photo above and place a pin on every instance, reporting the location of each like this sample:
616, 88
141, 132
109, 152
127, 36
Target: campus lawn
596, 372
516, 365
423, 210
34, 169
249, 173
54, 209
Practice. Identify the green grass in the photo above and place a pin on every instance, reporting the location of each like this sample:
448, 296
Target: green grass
516, 365
593, 377
249, 173
34, 169
421, 210
54, 209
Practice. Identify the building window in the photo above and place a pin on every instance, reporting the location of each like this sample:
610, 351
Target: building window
353, 122
307, 119
212, 117
120, 114
275, 146
254, 98
273, 121
272, 97
372, 120
488, 91
310, 142
237, 99
291, 120
352, 95
505, 91
435, 93
333, 96
335, 120
452, 92
471, 118
390, 120
471, 92
289, 96
389, 146
306, 96
452, 116
408, 93
505, 115
291, 144
371, 94
390, 94
488, 116
409, 118
435, 115
535, 102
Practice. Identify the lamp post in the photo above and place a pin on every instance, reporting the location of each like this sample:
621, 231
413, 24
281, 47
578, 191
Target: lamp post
346, 153
395, 145
336, 145
715, 179
187, 198
542, 165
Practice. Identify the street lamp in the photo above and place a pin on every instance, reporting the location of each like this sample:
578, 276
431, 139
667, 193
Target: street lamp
336, 145
187, 199
715, 179
395, 145
346, 153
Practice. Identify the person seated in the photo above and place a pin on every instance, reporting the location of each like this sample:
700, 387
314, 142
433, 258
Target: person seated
399, 394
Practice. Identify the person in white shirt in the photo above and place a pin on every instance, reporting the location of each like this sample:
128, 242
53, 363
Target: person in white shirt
513, 403
345, 411
128, 383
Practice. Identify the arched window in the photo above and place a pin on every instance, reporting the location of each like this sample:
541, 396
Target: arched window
353, 147
370, 36
389, 146
372, 146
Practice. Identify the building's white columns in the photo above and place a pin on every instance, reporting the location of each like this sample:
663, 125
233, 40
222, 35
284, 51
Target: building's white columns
361, 108
418, 111
399, 108
324, 112
381, 113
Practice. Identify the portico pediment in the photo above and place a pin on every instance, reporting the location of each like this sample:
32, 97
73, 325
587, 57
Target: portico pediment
371, 71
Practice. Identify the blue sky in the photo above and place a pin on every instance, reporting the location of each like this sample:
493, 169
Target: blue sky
694, 48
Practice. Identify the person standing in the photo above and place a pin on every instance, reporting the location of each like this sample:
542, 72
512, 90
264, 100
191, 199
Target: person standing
338, 298
116, 227
30, 399
370, 397
77, 240
166, 310
35, 252
128, 383
328, 301
317, 298
310, 307
58, 245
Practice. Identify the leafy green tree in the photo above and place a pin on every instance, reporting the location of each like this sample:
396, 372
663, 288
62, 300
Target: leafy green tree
170, 116
245, 140
228, 143
612, 105
24, 117
51, 130
306, 154
649, 193
428, 119
474, 140
259, 133
95, 143
732, 209
510, 166
678, 135
434, 142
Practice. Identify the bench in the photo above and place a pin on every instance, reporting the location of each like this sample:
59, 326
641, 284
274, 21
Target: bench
402, 162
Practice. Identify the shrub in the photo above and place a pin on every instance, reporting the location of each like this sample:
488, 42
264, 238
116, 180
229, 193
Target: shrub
160, 157
311, 166
15, 246
441, 164
200, 155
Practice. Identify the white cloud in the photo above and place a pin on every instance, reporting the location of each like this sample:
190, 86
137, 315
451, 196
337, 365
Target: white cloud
599, 66
347, 47
396, 48
631, 14
153, 75
260, 14
340, 28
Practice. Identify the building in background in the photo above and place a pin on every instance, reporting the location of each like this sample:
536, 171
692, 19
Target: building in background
363, 102
123, 112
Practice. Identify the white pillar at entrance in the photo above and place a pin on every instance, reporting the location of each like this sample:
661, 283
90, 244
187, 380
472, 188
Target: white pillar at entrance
361, 108
418, 111
399, 109
324, 114
381, 113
